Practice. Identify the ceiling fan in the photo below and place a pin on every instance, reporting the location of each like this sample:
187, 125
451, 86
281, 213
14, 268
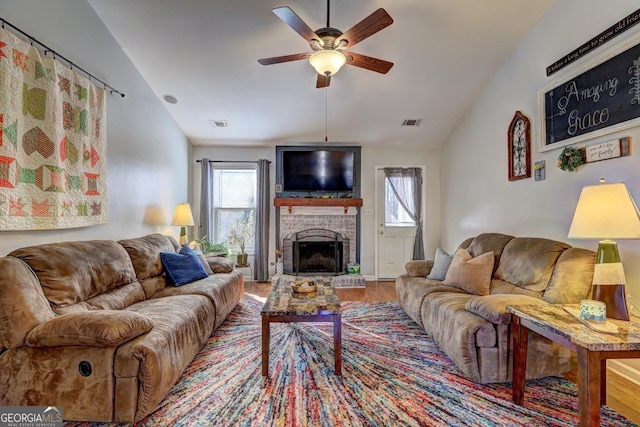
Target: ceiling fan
329, 44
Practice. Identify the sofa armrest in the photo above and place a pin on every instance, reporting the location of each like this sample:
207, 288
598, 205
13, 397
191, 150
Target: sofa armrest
419, 268
220, 264
100, 328
494, 307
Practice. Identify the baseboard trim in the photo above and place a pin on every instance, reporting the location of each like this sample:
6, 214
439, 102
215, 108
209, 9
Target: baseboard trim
369, 278
624, 370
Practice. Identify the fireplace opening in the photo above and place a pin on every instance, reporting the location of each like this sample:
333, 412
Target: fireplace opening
317, 257
315, 251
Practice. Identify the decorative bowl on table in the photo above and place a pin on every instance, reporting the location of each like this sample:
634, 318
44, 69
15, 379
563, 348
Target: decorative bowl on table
304, 286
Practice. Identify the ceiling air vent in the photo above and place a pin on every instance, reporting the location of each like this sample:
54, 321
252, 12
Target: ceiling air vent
411, 122
219, 123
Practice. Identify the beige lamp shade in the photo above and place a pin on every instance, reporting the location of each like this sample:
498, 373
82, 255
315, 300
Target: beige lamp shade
327, 62
605, 211
182, 215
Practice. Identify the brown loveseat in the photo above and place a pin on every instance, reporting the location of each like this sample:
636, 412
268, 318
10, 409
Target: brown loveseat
475, 331
94, 327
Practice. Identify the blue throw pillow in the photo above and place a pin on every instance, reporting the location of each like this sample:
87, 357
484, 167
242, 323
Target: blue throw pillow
183, 267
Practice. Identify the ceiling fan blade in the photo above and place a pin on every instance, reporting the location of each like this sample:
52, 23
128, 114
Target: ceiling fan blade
323, 81
285, 58
370, 25
368, 62
298, 25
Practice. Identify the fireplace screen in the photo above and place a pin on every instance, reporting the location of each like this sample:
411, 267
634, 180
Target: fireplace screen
315, 251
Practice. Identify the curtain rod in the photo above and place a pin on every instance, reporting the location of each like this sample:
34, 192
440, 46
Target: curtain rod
231, 161
55, 54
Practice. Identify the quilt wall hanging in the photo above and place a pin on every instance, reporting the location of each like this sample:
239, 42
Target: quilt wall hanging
53, 147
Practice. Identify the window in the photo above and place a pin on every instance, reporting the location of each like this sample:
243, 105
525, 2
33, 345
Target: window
234, 198
395, 215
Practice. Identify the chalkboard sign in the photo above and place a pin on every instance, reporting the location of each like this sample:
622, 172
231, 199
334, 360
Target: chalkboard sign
600, 100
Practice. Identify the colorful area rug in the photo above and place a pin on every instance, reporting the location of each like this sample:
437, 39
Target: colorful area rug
393, 375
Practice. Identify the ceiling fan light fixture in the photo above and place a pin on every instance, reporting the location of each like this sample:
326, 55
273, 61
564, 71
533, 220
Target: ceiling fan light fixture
327, 62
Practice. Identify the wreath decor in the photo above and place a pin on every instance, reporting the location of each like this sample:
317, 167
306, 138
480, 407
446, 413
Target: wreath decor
570, 159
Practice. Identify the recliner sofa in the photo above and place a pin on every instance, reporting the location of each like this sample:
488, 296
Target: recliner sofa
475, 331
94, 327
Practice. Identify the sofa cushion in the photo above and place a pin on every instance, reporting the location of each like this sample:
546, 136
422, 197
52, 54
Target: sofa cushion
502, 287
470, 274
494, 307
145, 254
528, 262
441, 263
71, 272
155, 360
223, 290
411, 292
572, 277
99, 328
184, 267
489, 242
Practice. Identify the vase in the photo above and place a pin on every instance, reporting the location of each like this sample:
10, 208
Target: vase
241, 259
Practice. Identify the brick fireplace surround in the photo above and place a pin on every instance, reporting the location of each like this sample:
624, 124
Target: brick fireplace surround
330, 218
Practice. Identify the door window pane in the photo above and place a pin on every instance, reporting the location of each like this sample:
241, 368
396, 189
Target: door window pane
394, 214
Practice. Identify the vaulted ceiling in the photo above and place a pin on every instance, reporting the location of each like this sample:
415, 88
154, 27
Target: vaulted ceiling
205, 52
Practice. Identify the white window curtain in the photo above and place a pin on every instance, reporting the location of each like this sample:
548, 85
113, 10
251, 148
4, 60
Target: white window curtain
406, 184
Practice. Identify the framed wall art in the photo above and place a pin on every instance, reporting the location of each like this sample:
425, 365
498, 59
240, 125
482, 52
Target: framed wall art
600, 97
519, 147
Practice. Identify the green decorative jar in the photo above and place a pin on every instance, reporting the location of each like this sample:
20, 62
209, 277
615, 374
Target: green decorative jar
353, 268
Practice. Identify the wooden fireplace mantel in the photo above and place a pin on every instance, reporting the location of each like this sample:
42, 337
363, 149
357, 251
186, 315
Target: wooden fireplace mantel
290, 202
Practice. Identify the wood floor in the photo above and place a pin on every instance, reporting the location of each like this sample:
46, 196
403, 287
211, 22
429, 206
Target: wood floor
623, 395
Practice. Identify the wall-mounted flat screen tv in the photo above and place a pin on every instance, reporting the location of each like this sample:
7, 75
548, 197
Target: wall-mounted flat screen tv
318, 170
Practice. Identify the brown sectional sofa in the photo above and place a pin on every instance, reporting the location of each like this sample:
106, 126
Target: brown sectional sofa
94, 327
475, 331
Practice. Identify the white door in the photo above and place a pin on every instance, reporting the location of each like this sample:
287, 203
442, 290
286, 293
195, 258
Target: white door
396, 231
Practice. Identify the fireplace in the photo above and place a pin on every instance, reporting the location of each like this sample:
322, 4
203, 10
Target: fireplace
315, 251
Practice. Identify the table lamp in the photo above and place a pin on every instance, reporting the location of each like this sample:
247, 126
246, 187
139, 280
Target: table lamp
607, 211
183, 218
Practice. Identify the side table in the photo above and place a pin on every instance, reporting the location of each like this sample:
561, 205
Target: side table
593, 349
248, 267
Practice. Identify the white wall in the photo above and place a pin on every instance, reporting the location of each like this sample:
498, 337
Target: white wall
371, 157
476, 195
147, 153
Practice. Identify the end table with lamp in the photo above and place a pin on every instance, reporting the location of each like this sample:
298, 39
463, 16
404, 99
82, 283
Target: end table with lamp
604, 211
554, 322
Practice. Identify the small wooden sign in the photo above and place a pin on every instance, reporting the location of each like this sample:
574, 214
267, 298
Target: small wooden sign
607, 150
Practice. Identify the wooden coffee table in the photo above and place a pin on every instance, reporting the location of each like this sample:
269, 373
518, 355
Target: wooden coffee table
284, 305
593, 349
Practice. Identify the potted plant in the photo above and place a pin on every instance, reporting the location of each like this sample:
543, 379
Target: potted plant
242, 233
208, 247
